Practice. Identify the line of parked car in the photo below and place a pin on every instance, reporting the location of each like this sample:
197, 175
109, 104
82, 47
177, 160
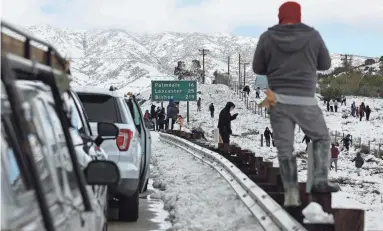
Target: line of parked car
67, 154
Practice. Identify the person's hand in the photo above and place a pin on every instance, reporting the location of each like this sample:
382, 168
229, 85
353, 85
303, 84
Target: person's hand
235, 115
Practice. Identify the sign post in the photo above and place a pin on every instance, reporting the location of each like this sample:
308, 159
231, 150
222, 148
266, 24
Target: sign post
181, 90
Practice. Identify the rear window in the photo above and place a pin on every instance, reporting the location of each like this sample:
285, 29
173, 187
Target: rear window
100, 108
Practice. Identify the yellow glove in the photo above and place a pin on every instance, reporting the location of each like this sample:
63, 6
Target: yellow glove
270, 99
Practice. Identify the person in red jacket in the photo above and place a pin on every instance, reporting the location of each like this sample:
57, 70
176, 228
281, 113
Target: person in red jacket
334, 156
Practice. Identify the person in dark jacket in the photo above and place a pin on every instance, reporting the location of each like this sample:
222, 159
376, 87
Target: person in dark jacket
211, 109
224, 124
268, 135
246, 89
353, 109
368, 112
153, 115
307, 140
361, 111
347, 141
290, 54
359, 161
172, 112
161, 119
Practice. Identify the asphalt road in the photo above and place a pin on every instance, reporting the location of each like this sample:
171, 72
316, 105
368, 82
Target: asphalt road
152, 217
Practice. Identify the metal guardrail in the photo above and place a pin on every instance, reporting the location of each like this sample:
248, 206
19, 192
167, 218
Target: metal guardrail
270, 215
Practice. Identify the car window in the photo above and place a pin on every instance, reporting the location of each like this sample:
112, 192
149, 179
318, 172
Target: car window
82, 113
100, 108
63, 149
76, 120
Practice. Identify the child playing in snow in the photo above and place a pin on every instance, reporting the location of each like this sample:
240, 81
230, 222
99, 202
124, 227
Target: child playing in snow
180, 121
359, 161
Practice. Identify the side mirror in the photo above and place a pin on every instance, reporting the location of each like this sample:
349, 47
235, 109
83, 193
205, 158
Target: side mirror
102, 172
106, 131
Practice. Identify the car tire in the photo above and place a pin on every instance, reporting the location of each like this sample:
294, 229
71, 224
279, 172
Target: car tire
128, 208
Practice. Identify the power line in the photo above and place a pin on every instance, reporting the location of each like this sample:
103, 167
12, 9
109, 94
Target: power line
203, 63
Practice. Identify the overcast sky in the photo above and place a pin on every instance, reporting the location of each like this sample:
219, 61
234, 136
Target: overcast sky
348, 26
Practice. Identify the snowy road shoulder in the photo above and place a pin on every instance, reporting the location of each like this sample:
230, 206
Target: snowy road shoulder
197, 197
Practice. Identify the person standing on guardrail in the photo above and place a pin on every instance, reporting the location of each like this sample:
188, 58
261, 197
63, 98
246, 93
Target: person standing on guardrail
224, 125
211, 109
290, 54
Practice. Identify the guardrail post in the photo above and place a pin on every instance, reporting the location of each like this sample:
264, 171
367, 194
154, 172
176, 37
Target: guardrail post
261, 140
349, 219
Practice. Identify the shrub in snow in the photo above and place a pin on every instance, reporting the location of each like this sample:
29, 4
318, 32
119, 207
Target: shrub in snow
364, 149
345, 115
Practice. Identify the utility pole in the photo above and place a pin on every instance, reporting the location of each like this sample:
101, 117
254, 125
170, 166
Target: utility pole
244, 73
203, 64
228, 68
347, 61
239, 70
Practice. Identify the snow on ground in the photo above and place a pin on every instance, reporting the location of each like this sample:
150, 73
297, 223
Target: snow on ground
196, 196
363, 189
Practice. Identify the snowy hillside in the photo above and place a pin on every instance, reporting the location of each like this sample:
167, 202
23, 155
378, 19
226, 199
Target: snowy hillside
363, 191
131, 61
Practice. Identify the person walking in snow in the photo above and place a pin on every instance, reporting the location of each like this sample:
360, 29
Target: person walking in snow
343, 100
353, 109
328, 105
268, 135
347, 141
307, 140
158, 110
199, 104
361, 111
257, 91
332, 105
336, 105
334, 156
359, 161
246, 89
224, 125
281, 55
368, 112
211, 109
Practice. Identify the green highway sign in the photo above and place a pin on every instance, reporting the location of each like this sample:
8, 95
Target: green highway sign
181, 90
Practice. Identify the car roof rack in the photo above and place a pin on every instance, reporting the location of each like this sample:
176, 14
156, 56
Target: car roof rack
20, 60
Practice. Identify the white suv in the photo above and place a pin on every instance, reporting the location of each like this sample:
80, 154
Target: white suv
129, 151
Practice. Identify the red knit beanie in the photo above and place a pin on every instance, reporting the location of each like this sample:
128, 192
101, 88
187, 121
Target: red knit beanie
289, 12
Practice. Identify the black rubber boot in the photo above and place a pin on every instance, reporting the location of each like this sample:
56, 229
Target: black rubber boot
321, 164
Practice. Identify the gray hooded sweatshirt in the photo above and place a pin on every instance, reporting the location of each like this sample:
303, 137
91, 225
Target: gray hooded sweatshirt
290, 55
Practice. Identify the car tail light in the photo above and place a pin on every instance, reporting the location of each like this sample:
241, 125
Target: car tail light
124, 138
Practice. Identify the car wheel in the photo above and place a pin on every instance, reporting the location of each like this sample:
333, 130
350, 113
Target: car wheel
128, 207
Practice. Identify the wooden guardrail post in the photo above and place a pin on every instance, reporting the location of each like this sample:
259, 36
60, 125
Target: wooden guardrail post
349, 219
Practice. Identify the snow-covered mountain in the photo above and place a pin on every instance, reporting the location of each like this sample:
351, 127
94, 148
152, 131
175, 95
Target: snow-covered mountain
130, 61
